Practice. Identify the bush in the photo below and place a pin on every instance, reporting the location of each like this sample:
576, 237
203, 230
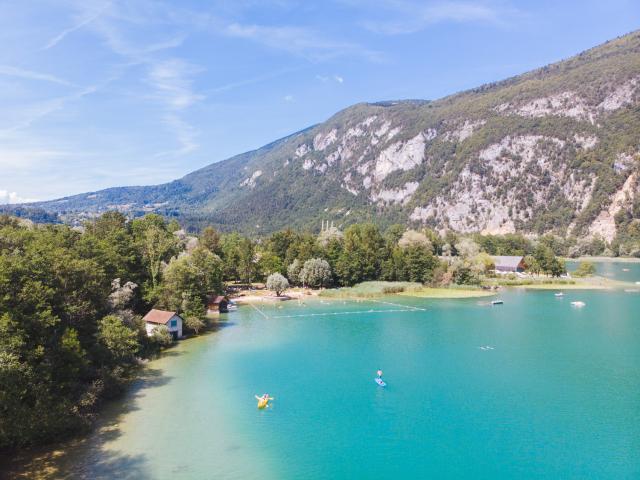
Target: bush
585, 269
161, 336
194, 324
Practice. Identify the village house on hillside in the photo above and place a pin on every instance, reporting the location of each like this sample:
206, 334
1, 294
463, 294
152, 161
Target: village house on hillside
171, 320
509, 263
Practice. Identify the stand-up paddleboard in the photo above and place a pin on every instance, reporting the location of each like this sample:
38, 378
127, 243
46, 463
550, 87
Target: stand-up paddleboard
380, 382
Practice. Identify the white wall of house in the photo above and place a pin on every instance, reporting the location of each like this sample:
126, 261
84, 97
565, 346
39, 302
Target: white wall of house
174, 325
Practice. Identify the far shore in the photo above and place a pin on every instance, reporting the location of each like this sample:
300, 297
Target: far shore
444, 293
604, 259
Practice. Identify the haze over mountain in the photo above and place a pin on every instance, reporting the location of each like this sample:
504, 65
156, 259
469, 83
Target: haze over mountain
553, 150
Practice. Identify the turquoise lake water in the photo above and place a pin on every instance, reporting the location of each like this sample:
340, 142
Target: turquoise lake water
556, 396
624, 271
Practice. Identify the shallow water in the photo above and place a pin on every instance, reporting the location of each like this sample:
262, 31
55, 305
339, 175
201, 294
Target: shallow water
623, 271
556, 396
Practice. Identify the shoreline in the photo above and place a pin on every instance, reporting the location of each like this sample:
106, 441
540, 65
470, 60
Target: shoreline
603, 259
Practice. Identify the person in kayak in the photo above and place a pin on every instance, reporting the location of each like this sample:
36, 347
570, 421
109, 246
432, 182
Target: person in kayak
263, 401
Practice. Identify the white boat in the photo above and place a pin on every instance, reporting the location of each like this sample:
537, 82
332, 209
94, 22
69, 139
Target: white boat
559, 294
496, 302
578, 304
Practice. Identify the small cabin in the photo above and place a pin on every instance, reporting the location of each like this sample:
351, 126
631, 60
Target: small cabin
509, 263
217, 304
171, 320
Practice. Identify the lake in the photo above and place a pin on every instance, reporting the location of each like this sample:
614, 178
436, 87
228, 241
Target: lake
534, 388
623, 271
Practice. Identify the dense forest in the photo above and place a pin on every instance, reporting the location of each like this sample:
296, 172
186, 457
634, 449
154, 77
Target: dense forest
72, 299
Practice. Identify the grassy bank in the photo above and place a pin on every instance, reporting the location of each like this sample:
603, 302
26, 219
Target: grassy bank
411, 289
370, 289
452, 292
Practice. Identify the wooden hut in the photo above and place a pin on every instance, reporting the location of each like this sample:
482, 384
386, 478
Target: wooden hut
217, 304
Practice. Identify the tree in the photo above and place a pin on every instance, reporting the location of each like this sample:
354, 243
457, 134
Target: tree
269, 263
277, 283
210, 239
194, 324
414, 238
316, 272
532, 264
467, 248
331, 233
156, 244
361, 258
419, 263
119, 341
293, 271
192, 276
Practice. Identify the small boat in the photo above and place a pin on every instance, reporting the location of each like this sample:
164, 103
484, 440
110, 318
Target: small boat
496, 302
380, 382
625, 269
578, 304
559, 294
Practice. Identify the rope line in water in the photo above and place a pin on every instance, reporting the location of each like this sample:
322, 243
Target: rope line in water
354, 312
259, 311
398, 305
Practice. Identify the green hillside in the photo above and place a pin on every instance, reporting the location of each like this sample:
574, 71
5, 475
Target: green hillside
553, 150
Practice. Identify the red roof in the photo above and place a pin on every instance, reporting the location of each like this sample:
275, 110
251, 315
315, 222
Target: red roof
158, 316
216, 299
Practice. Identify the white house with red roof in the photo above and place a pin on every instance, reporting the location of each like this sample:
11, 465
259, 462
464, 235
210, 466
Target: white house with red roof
171, 320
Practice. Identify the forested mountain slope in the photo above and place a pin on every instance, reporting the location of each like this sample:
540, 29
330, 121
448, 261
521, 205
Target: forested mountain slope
555, 149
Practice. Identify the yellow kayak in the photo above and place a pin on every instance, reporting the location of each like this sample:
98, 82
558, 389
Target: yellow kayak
263, 403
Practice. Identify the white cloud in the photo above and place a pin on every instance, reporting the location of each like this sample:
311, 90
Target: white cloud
172, 80
327, 78
288, 98
298, 41
88, 18
406, 17
11, 71
185, 133
12, 197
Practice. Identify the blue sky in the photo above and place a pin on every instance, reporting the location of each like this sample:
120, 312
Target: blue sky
99, 93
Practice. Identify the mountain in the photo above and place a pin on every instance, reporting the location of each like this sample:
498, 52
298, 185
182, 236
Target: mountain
553, 150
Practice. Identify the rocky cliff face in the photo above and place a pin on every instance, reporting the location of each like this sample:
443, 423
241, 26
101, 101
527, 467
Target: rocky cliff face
552, 150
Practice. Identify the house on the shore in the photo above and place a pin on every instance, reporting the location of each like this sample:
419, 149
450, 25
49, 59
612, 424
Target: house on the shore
171, 320
509, 263
217, 304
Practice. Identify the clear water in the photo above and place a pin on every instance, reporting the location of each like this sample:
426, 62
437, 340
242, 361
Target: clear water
557, 396
623, 271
